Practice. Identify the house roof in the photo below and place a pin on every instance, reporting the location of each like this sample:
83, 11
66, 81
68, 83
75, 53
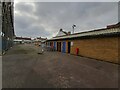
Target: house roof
109, 30
40, 38
23, 38
61, 33
114, 25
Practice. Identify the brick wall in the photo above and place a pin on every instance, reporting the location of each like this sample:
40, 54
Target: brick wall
105, 49
99, 48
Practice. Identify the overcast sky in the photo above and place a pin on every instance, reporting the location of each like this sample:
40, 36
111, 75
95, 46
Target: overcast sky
44, 19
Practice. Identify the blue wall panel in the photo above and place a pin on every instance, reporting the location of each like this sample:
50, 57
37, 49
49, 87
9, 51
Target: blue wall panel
55, 45
64, 47
0, 45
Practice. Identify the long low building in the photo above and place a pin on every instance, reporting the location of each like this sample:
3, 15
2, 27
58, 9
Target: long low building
22, 40
100, 44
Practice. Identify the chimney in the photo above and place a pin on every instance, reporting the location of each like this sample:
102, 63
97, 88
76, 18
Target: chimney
61, 29
69, 33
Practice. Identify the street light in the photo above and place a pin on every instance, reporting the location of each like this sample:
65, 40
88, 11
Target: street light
73, 27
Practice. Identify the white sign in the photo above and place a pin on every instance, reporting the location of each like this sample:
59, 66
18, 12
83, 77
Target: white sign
2, 34
71, 43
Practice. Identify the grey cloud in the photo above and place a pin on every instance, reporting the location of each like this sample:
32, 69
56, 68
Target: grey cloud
21, 22
33, 31
51, 16
23, 7
74, 12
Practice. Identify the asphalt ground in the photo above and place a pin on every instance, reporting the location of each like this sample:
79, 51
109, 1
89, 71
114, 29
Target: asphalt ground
23, 67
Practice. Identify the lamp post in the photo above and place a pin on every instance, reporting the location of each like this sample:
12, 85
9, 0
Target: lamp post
73, 27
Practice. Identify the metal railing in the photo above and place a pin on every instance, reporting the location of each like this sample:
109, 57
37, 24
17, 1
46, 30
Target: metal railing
49, 48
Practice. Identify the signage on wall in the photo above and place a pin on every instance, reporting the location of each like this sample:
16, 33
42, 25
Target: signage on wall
2, 34
71, 43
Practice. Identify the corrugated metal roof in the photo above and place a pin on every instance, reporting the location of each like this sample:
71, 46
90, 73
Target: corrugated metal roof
23, 38
104, 31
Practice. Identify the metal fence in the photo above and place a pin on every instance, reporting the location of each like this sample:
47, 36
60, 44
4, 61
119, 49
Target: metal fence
49, 48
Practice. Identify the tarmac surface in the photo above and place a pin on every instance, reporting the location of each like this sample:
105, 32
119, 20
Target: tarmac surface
23, 67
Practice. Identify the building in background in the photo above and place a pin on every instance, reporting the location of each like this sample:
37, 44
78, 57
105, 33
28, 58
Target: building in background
39, 40
22, 40
61, 33
100, 44
7, 22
